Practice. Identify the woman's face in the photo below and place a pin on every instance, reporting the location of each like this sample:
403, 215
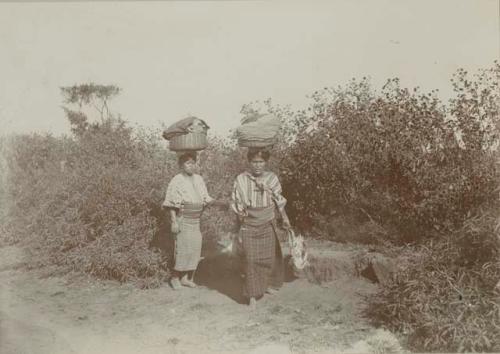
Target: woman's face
257, 165
189, 167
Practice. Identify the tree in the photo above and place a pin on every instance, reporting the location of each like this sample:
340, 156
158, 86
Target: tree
85, 99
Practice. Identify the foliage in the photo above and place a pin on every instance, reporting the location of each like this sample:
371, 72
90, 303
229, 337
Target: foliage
91, 96
90, 213
447, 296
395, 156
91, 202
84, 203
408, 166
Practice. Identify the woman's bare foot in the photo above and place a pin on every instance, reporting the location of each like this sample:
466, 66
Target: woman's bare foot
187, 282
176, 285
252, 303
271, 291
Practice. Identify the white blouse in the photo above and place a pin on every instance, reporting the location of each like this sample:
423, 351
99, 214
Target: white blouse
184, 189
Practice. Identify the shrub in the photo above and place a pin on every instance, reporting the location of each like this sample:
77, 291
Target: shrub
404, 163
92, 214
395, 156
447, 298
91, 202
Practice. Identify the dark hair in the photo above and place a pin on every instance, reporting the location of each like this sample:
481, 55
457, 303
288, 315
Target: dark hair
186, 156
264, 153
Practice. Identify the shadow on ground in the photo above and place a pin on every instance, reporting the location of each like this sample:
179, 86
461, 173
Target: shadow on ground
217, 271
223, 273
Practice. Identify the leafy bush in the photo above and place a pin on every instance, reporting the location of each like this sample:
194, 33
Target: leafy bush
92, 202
400, 157
408, 166
447, 296
88, 192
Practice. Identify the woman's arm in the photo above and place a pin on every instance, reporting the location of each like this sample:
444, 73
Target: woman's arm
280, 201
173, 202
237, 206
236, 224
285, 221
173, 221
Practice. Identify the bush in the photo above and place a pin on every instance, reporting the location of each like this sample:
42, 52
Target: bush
84, 204
447, 298
92, 202
408, 166
400, 157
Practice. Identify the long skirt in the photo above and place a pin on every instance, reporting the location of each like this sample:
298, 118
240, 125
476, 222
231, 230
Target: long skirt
188, 245
263, 259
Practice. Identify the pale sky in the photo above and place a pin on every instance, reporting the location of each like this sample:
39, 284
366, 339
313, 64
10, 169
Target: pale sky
208, 58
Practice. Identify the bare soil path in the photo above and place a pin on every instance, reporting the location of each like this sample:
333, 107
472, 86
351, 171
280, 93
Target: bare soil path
74, 314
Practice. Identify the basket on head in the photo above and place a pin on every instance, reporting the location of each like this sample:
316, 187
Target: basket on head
188, 134
188, 142
256, 143
258, 131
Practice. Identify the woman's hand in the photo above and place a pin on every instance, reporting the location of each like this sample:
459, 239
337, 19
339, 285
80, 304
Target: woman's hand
175, 227
286, 223
237, 243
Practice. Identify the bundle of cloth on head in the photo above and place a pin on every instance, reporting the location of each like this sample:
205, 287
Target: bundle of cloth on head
258, 130
188, 134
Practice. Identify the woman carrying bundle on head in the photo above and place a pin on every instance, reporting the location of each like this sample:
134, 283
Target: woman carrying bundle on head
186, 198
257, 203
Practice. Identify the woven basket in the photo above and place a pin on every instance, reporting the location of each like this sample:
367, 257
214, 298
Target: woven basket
190, 141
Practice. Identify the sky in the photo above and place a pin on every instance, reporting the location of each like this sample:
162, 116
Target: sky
208, 58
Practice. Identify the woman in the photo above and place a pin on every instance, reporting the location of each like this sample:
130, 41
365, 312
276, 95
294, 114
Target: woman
257, 202
186, 198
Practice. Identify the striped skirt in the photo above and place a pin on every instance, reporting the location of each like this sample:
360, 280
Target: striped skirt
263, 259
188, 240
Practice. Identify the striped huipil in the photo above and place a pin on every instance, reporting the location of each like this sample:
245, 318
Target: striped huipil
189, 195
254, 200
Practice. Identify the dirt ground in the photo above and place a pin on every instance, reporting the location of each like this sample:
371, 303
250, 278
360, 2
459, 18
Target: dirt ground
74, 314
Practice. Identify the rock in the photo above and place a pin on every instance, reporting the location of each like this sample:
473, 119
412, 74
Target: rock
376, 267
330, 261
384, 268
328, 265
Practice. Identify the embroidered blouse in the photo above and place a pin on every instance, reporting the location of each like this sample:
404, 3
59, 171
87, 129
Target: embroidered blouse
184, 189
256, 192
